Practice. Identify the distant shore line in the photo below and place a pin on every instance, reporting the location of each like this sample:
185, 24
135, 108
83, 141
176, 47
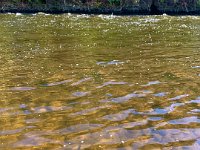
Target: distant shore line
99, 11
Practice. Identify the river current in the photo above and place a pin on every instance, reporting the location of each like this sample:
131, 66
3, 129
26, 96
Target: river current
99, 82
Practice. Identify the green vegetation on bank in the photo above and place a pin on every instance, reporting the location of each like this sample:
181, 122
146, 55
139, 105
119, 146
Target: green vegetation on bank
116, 5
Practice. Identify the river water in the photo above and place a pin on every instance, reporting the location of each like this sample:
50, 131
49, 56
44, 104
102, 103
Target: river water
99, 82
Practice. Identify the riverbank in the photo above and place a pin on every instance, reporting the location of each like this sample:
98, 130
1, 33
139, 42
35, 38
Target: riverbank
97, 12
79, 11
149, 8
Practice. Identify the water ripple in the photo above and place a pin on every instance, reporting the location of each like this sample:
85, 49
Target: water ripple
161, 94
186, 120
119, 116
79, 128
90, 110
80, 94
124, 98
113, 62
22, 88
197, 100
81, 81
179, 97
152, 83
160, 111
44, 109
195, 67
33, 139
112, 83
8, 132
57, 83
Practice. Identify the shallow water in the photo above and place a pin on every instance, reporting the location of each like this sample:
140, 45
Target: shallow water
99, 82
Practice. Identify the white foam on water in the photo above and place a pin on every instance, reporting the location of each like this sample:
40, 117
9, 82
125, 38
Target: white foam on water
18, 14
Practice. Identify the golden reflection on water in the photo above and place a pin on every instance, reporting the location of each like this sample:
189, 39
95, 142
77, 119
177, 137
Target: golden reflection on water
99, 82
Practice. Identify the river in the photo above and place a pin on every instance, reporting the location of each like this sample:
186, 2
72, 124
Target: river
99, 82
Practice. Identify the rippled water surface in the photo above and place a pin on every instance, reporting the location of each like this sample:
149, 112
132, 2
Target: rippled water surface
99, 82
